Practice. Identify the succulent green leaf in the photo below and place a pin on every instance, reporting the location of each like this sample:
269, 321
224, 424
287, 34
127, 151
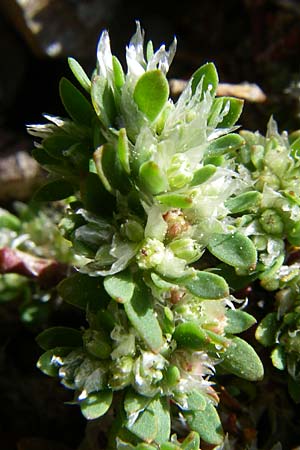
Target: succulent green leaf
190, 335
57, 144
238, 321
203, 174
196, 401
120, 286
59, 337
9, 220
191, 442
119, 77
241, 360
141, 314
153, 424
54, 190
45, 362
175, 200
207, 423
266, 331
278, 357
94, 195
152, 179
244, 202
75, 103
151, 93
225, 112
205, 285
209, 76
83, 291
103, 100
123, 150
224, 144
96, 404
80, 74
234, 249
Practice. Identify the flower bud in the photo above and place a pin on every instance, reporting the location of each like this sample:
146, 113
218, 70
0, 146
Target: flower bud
271, 222
186, 248
151, 254
179, 174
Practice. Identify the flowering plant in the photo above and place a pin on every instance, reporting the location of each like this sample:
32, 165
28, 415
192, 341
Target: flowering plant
169, 212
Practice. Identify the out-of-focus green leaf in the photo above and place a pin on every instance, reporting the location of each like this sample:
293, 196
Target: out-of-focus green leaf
96, 404
59, 337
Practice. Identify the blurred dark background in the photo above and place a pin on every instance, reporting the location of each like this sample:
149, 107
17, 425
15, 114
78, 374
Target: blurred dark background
254, 41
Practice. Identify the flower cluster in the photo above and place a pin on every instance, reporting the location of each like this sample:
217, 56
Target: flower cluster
157, 214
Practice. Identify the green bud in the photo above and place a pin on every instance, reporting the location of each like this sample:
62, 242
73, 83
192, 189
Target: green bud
172, 375
271, 222
151, 254
186, 248
179, 174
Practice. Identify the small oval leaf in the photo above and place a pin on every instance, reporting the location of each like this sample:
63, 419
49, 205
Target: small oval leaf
206, 285
203, 174
83, 291
241, 360
207, 423
238, 321
267, 329
190, 335
80, 74
209, 75
120, 286
151, 93
234, 249
54, 190
243, 202
59, 337
75, 103
96, 404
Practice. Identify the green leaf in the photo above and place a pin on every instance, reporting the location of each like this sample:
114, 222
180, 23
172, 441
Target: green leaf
238, 321
75, 103
151, 93
55, 145
153, 423
82, 291
152, 179
175, 200
235, 110
267, 329
191, 442
224, 144
234, 249
96, 404
8, 220
59, 337
46, 361
207, 423
120, 286
110, 170
190, 335
243, 202
141, 314
95, 197
241, 360
196, 401
203, 174
103, 100
123, 150
206, 285
209, 75
119, 77
278, 357
80, 74
54, 190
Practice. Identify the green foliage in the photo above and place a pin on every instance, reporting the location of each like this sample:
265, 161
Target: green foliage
170, 213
